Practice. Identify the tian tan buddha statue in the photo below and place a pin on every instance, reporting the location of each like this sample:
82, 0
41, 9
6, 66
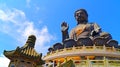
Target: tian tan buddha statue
83, 29
84, 34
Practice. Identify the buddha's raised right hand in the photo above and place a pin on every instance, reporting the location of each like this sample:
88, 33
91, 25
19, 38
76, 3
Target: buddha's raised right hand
64, 27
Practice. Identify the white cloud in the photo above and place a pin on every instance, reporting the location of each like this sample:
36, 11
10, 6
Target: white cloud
4, 61
12, 16
14, 23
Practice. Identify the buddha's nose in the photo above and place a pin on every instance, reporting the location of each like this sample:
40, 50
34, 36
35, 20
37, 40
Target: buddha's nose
79, 15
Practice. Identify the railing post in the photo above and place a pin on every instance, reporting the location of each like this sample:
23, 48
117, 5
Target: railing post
105, 62
113, 48
94, 47
104, 48
88, 62
84, 47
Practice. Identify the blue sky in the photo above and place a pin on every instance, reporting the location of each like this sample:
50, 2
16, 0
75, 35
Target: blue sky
20, 18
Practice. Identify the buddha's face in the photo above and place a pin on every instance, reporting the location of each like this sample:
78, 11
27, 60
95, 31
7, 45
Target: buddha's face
80, 16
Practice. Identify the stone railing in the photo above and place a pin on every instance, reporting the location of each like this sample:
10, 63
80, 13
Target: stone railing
92, 63
97, 63
83, 51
